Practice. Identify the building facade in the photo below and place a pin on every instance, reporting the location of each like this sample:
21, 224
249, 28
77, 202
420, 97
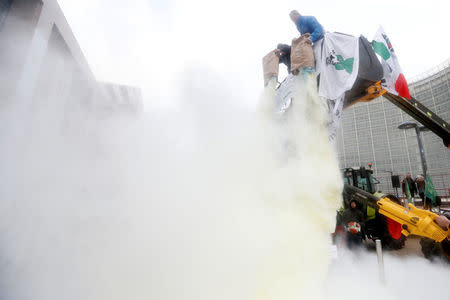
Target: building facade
42, 67
369, 134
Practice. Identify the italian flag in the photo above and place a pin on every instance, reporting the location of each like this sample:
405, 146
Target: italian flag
395, 81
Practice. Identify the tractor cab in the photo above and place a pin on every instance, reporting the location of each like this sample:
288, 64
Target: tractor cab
361, 178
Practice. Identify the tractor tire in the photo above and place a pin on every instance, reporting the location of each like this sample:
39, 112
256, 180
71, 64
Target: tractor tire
391, 233
433, 250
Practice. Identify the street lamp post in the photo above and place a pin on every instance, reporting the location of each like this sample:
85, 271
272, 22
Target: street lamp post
418, 128
422, 151
409, 125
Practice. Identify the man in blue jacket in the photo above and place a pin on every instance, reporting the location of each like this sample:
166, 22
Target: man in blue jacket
307, 24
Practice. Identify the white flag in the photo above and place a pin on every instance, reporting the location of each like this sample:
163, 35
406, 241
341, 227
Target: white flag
337, 62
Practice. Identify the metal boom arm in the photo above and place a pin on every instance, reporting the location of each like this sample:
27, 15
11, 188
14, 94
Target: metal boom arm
422, 114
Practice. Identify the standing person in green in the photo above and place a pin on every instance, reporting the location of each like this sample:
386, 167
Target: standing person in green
307, 24
411, 185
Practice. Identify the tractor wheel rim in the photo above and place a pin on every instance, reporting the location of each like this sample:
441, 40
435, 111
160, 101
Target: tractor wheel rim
394, 228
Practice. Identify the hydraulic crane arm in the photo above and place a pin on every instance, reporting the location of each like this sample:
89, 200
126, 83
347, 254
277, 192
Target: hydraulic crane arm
412, 107
422, 114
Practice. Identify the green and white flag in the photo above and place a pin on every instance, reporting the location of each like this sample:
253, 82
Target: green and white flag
430, 191
337, 62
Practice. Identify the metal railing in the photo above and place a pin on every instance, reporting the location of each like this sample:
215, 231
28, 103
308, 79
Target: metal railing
441, 182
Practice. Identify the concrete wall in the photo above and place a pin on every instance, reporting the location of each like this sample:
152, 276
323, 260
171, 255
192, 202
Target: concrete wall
41, 62
16, 36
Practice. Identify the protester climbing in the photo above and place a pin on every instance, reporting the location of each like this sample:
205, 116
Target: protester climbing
307, 24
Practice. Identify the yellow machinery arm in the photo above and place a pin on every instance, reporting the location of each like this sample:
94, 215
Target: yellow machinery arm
413, 220
412, 107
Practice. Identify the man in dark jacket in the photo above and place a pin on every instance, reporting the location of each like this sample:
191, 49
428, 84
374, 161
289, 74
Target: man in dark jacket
353, 220
411, 185
307, 24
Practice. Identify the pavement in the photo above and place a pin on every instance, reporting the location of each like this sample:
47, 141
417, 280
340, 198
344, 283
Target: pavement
412, 248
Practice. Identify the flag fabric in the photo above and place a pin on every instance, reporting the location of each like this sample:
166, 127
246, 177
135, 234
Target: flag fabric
394, 80
430, 191
408, 192
337, 62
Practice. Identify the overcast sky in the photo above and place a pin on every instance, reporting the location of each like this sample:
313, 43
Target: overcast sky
152, 43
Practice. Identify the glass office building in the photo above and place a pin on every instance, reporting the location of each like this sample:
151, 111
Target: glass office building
369, 134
